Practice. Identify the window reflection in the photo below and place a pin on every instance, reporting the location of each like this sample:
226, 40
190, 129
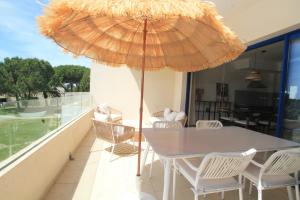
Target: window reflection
242, 93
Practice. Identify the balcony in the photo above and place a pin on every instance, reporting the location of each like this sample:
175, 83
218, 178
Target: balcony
91, 175
71, 163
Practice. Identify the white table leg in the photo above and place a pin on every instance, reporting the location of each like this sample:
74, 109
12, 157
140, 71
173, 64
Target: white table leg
290, 194
167, 172
145, 158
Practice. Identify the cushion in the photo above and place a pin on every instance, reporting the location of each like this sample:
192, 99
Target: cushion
180, 116
101, 117
171, 117
103, 108
252, 173
167, 111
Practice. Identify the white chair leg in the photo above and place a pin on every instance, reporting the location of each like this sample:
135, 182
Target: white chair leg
174, 180
152, 160
250, 187
240, 189
222, 195
241, 194
297, 192
259, 194
290, 194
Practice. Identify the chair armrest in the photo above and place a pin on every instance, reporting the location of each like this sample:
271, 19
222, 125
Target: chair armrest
114, 111
190, 164
121, 132
158, 114
256, 163
129, 128
126, 129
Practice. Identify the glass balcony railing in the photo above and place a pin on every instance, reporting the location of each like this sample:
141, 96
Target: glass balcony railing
26, 121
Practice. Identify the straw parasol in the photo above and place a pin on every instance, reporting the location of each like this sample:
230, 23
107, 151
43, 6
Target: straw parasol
184, 35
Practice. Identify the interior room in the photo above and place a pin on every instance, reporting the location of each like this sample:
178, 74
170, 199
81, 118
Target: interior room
242, 93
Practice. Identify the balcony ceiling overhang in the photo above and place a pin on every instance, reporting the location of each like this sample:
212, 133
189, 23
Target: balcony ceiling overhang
258, 20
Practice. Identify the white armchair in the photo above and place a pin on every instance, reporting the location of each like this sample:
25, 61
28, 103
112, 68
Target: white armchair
275, 172
215, 173
169, 115
209, 124
105, 113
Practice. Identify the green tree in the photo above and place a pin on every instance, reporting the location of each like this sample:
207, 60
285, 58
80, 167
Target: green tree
2, 80
24, 78
85, 81
36, 75
71, 77
9, 75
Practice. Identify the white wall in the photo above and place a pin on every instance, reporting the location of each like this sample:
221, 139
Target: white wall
120, 88
254, 20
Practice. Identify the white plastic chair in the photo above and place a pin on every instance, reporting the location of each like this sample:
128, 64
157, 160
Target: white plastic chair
209, 124
215, 173
276, 172
163, 124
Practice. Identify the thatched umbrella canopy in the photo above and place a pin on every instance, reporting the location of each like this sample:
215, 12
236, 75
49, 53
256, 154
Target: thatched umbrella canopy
184, 35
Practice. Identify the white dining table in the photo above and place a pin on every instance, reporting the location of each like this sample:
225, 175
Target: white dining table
192, 142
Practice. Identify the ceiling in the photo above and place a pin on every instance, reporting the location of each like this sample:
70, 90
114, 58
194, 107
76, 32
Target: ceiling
270, 52
267, 59
227, 8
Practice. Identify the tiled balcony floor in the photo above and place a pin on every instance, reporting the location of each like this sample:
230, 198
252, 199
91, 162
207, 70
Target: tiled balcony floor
91, 175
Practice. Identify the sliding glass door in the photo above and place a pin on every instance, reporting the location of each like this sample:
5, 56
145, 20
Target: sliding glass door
243, 92
291, 111
261, 89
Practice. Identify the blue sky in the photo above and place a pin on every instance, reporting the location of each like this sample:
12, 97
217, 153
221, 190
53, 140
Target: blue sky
19, 35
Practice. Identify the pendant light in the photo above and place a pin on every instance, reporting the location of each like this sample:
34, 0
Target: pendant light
254, 75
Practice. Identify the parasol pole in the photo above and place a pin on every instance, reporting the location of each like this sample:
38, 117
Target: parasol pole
142, 97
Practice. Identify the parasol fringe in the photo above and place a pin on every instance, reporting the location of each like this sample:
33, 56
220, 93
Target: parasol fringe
61, 14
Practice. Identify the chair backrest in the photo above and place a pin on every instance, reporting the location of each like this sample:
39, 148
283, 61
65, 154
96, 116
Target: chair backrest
167, 124
209, 124
282, 163
103, 130
224, 165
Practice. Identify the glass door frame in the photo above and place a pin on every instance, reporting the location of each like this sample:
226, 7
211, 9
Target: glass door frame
286, 38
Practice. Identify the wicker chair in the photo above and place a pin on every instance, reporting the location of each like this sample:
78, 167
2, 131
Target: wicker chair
113, 133
160, 116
